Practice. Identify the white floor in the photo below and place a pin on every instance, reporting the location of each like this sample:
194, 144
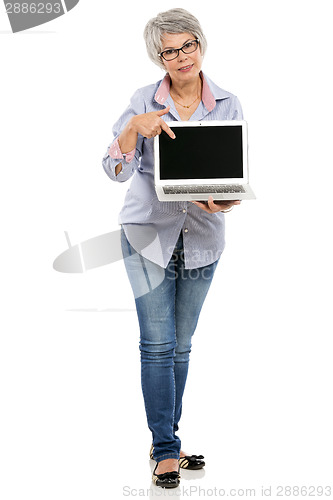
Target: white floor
75, 425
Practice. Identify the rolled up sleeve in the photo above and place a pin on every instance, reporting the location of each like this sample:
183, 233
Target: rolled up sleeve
130, 161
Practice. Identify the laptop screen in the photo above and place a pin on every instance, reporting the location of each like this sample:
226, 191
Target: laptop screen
202, 152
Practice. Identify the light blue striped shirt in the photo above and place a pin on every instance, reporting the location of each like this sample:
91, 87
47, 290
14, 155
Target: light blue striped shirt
203, 233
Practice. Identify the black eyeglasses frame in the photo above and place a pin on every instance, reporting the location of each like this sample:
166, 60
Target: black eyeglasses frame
180, 49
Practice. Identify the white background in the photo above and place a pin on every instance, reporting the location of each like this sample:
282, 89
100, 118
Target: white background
258, 398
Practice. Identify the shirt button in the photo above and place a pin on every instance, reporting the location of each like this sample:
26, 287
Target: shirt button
184, 211
186, 230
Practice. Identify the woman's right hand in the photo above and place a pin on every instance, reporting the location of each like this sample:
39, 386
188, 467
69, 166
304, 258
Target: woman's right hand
151, 124
148, 125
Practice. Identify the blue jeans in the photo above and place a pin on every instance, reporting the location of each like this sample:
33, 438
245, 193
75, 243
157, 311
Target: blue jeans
168, 315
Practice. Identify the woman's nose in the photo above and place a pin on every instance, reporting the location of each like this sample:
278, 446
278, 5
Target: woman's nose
182, 56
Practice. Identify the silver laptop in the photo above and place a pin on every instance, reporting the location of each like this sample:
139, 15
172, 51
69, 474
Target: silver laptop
206, 158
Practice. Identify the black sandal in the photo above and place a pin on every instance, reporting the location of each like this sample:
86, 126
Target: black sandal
190, 462
167, 479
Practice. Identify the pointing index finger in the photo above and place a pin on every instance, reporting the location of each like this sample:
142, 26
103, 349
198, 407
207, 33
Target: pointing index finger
168, 130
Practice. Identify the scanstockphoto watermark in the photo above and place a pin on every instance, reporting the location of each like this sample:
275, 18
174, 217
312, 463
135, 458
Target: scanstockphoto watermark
111, 247
24, 15
283, 491
183, 491
203, 272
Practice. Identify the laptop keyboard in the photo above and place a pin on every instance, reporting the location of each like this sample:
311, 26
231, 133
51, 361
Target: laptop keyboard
216, 188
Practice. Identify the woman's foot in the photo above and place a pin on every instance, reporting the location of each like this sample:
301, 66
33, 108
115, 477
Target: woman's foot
165, 475
167, 465
190, 462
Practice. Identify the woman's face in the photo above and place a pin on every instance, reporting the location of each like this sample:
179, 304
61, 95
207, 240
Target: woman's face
185, 67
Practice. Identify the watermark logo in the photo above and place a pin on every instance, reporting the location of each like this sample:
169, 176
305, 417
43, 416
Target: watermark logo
133, 245
110, 247
28, 14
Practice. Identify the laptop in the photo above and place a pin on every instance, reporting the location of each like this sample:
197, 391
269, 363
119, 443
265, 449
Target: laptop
206, 158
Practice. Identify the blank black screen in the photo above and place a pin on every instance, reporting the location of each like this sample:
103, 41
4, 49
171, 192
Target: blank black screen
201, 152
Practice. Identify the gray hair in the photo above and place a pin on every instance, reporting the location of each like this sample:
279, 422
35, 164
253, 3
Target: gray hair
171, 21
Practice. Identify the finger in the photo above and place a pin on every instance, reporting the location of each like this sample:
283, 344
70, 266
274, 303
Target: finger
168, 130
211, 204
163, 111
203, 206
153, 133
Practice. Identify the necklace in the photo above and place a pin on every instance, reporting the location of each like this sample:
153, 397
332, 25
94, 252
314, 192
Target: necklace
183, 104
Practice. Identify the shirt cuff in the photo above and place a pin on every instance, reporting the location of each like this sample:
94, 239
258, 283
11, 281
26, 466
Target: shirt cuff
115, 152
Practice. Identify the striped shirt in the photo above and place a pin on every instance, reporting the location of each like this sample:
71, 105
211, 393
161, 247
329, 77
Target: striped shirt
203, 233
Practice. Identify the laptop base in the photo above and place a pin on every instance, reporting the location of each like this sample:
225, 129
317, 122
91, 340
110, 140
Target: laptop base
247, 194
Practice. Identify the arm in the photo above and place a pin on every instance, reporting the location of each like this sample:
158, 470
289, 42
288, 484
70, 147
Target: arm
127, 142
134, 128
146, 124
119, 161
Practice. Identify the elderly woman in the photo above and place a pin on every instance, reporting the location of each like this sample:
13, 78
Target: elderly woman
190, 234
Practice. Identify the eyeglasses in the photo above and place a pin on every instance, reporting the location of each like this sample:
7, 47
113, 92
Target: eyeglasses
187, 48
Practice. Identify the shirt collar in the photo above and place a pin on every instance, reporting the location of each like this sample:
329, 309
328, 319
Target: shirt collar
210, 92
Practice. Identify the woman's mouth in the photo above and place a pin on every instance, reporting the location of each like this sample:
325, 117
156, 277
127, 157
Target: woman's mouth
186, 68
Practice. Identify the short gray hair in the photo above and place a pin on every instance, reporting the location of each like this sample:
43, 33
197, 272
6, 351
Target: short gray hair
171, 21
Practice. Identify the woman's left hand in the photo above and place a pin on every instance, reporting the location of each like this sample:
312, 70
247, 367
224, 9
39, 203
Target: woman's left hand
212, 207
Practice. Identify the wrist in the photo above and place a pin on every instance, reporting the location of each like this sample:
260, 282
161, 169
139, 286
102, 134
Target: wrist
132, 126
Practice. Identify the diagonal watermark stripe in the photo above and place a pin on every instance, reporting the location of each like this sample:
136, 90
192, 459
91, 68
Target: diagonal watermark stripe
106, 249
23, 15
